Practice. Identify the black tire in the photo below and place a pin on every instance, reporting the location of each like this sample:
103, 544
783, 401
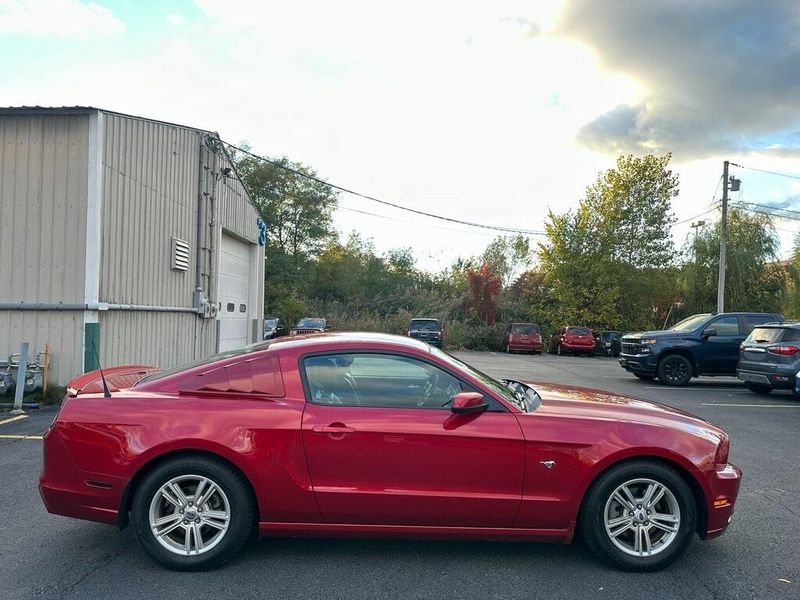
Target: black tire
761, 390
644, 377
674, 369
599, 499
241, 504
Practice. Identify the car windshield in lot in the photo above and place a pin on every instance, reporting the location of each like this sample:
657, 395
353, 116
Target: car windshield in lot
524, 328
690, 323
424, 325
270, 323
769, 335
313, 323
526, 402
579, 331
205, 361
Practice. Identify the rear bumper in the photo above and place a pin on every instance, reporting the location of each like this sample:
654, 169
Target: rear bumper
577, 347
68, 491
643, 364
526, 347
778, 378
723, 483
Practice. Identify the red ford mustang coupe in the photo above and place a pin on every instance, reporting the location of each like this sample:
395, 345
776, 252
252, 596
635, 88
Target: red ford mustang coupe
375, 435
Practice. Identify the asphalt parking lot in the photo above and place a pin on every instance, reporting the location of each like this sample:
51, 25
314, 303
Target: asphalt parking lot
45, 556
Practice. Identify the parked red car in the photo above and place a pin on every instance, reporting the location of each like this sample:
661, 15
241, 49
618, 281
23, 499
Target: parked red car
573, 340
376, 435
523, 337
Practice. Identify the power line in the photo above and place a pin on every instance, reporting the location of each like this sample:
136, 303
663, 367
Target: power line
694, 217
769, 214
384, 202
779, 174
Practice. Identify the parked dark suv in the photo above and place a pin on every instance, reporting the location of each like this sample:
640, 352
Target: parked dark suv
706, 344
769, 358
427, 330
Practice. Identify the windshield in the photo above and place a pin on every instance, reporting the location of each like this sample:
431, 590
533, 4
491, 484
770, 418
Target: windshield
690, 323
311, 323
270, 323
579, 331
204, 361
524, 402
767, 335
528, 328
423, 325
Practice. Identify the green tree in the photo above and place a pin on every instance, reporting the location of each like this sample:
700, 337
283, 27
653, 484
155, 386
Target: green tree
607, 262
506, 256
754, 280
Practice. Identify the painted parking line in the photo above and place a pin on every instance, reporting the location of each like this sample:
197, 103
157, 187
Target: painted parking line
750, 405
12, 419
698, 389
11, 436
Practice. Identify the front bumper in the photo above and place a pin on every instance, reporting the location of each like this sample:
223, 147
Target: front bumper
526, 347
644, 364
723, 483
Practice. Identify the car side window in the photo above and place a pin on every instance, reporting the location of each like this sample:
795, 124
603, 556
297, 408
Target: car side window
753, 321
725, 326
379, 381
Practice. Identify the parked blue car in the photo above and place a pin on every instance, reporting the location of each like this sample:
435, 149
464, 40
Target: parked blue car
705, 344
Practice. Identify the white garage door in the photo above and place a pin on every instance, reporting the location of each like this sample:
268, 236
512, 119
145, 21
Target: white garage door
233, 293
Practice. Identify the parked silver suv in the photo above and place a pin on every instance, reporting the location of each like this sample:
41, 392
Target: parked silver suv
769, 359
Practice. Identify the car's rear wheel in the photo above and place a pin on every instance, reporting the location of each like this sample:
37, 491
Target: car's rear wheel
639, 516
193, 513
758, 389
674, 369
645, 377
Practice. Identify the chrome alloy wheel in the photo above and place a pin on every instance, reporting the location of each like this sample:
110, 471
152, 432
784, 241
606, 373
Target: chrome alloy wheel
642, 517
189, 515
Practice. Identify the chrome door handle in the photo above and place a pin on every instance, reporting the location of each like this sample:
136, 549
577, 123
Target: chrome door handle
332, 429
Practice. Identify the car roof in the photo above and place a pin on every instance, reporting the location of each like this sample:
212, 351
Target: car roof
424, 319
348, 337
791, 325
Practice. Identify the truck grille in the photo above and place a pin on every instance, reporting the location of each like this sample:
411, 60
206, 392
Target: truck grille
631, 347
304, 330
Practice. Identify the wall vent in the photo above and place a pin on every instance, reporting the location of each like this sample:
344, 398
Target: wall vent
180, 255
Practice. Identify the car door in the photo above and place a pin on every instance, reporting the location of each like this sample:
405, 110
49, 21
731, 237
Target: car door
383, 446
722, 349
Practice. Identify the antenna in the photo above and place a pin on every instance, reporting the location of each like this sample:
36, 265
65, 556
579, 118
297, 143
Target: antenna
106, 393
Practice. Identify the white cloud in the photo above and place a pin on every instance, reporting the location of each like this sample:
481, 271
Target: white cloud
176, 20
59, 18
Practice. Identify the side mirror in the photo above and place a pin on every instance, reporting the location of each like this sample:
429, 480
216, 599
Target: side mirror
469, 402
707, 333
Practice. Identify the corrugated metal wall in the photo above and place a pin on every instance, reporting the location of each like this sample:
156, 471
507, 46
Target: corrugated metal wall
150, 194
43, 190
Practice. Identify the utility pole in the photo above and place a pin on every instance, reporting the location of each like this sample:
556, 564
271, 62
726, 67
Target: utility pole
723, 235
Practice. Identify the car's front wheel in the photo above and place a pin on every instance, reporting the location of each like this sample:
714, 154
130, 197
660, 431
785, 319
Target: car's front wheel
639, 516
193, 513
674, 369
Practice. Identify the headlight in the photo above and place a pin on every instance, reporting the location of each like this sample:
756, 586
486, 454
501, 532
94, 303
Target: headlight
647, 341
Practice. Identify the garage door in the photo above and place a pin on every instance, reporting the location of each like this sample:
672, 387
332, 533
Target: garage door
233, 293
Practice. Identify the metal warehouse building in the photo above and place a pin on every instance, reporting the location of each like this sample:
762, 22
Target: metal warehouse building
132, 236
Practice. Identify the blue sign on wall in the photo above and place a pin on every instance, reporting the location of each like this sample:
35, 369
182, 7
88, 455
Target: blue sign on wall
262, 232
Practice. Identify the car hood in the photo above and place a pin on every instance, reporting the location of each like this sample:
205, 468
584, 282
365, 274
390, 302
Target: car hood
661, 333
574, 401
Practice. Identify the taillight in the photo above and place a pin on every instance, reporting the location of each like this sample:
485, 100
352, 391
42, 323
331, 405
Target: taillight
784, 350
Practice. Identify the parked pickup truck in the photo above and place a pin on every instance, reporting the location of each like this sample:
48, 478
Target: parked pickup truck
705, 344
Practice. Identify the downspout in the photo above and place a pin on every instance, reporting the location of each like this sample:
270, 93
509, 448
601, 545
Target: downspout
200, 298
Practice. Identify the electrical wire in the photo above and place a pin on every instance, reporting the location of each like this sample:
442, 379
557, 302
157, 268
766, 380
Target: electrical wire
779, 174
695, 217
384, 202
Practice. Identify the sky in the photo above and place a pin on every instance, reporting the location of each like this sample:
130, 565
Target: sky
491, 112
